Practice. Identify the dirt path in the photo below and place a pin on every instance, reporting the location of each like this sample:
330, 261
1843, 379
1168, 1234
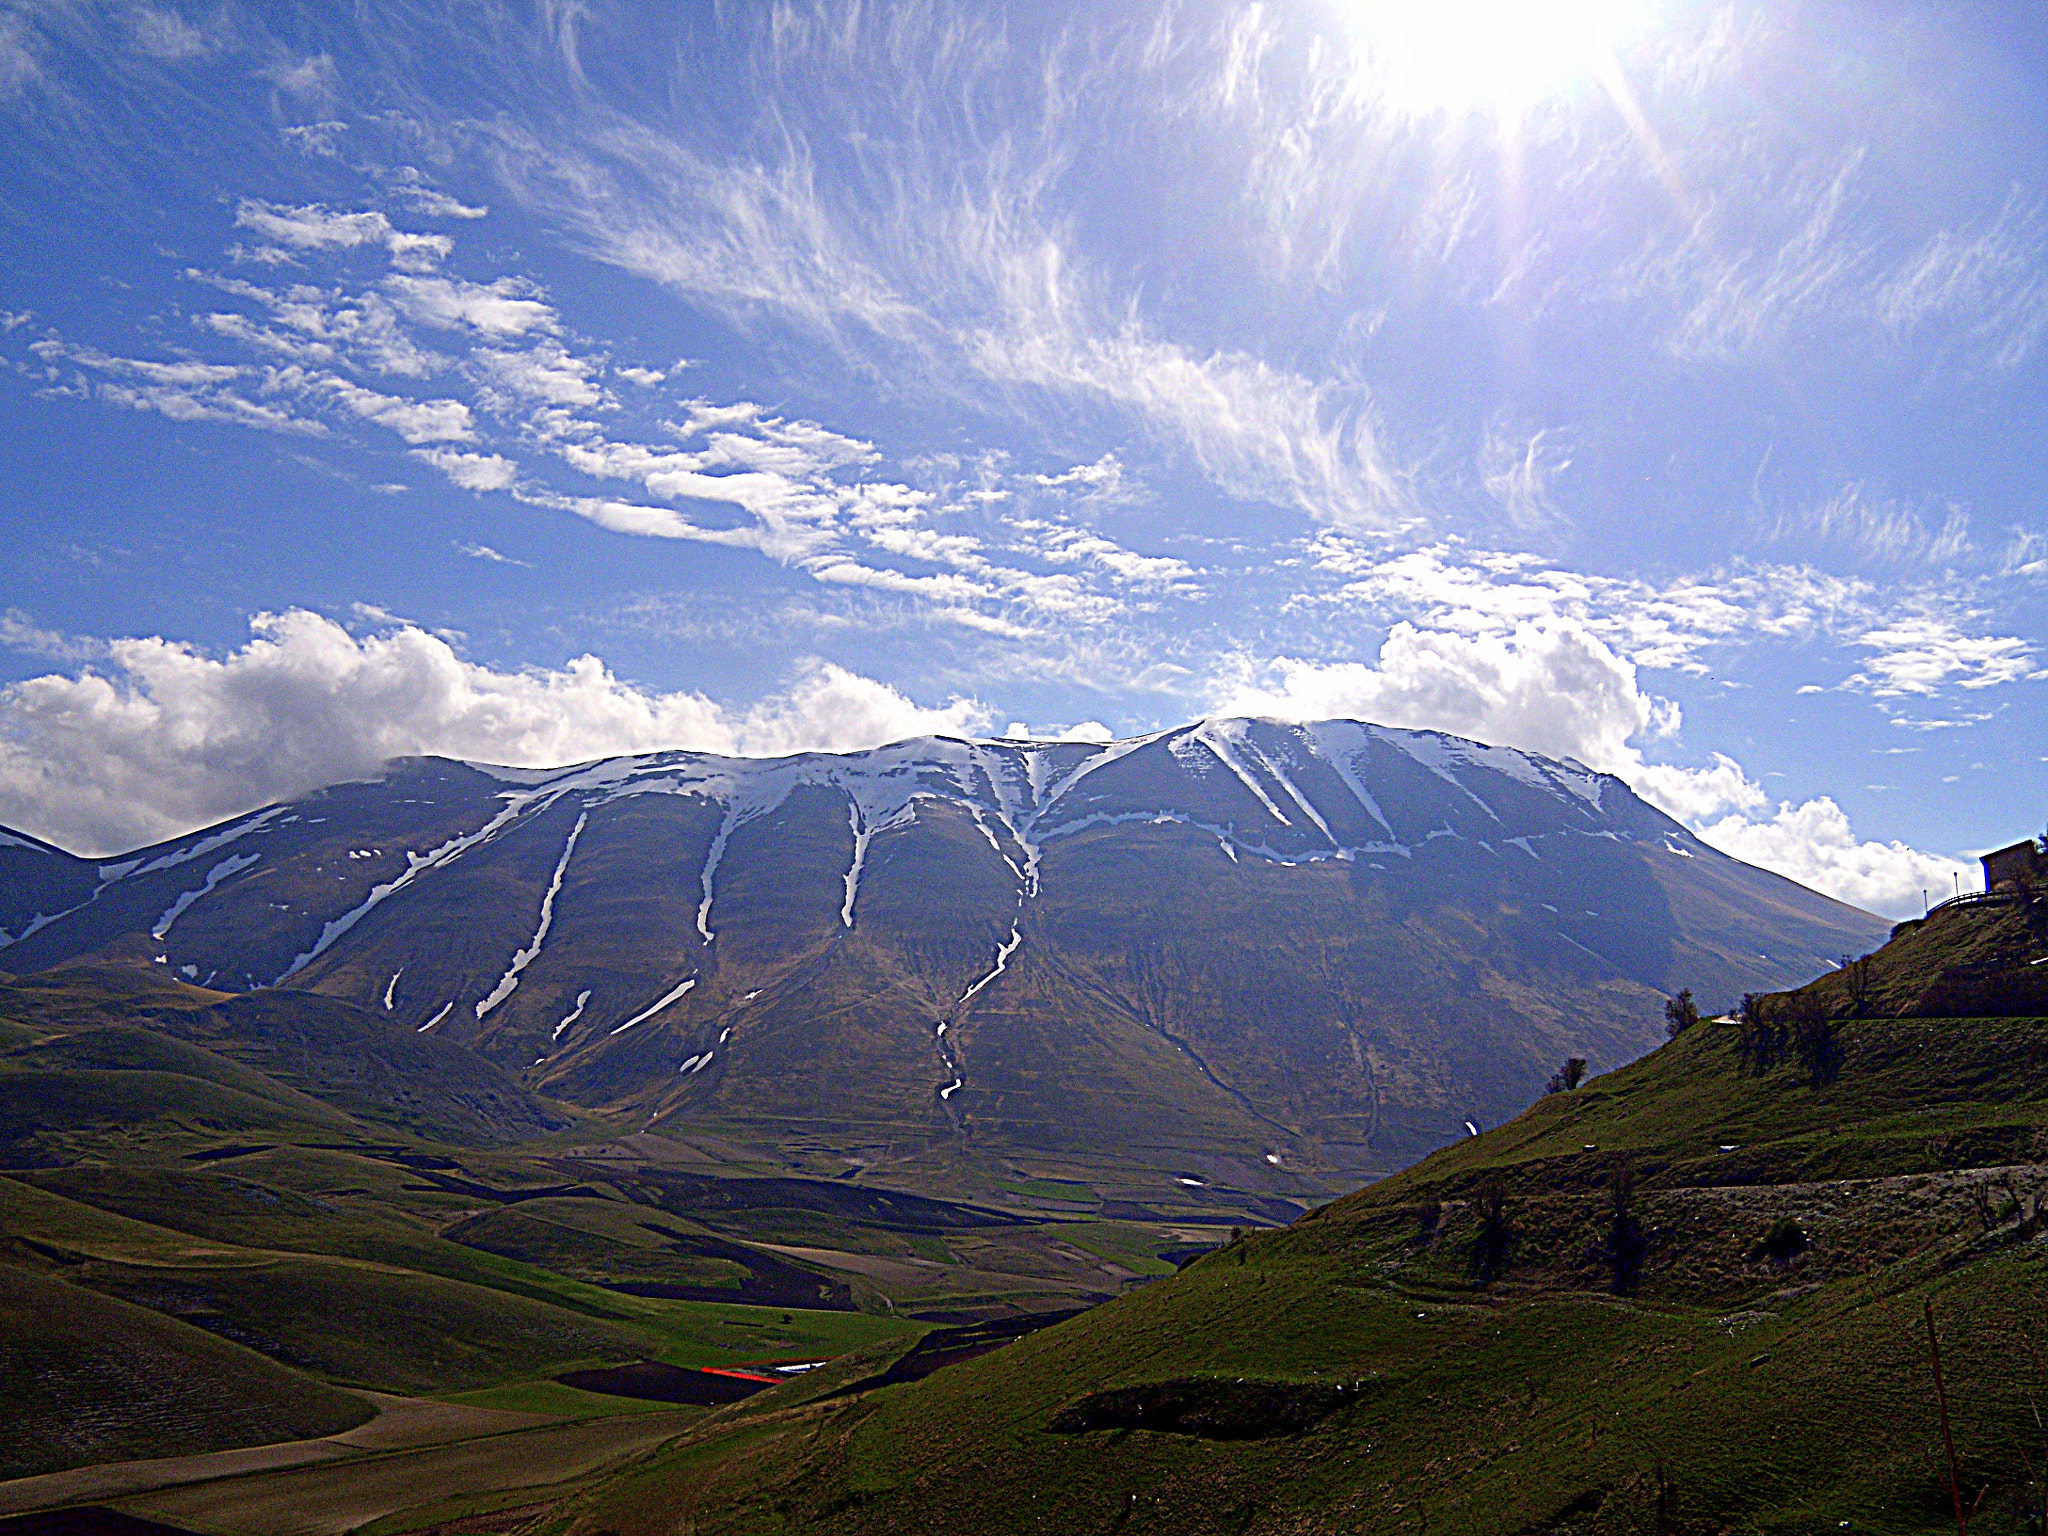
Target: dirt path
336, 1497
401, 1422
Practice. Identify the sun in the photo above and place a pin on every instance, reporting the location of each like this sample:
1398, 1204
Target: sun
1507, 55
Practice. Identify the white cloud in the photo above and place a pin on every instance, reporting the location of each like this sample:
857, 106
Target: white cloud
1882, 528
971, 281
1552, 688
166, 739
408, 184
1984, 281
20, 632
471, 471
1814, 844
417, 421
505, 307
163, 35
548, 373
1086, 730
316, 140
315, 227
485, 552
19, 66
1561, 692
1920, 654
1517, 470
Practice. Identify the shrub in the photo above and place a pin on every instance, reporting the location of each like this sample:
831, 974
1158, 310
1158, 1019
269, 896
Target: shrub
1568, 1076
1813, 1041
1762, 1034
1626, 1242
1680, 1013
1496, 1234
1857, 974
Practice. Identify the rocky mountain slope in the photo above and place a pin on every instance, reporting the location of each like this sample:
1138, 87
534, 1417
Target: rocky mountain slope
1280, 956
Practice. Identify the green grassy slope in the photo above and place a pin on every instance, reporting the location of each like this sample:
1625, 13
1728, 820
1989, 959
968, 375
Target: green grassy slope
174, 1201
88, 1378
1685, 1298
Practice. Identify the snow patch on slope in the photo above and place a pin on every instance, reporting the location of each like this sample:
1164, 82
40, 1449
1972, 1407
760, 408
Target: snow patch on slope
525, 956
234, 863
653, 1008
582, 1001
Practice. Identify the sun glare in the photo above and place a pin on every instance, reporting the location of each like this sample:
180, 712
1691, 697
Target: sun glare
1502, 54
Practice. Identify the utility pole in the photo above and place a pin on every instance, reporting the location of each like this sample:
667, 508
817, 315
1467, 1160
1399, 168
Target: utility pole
1948, 1441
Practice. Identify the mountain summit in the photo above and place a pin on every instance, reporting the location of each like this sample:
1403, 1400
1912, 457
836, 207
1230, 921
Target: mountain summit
1242, 950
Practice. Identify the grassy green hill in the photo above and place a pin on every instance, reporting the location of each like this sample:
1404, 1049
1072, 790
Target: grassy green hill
250, 1204
1686, 1297
89, 1378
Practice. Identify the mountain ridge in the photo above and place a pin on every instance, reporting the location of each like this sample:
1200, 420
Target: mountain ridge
1321, 947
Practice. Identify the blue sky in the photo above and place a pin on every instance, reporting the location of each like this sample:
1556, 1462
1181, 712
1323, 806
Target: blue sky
1656, 384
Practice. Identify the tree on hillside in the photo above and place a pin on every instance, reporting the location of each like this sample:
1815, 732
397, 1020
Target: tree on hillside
1568, 1076
1496, 1234
1680, 1013
1626, 1241
1760, 1036
1813, 1039
1857, 974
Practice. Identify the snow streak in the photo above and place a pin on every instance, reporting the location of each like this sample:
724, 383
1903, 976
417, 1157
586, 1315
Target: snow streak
654, 1008
415, 865
234, 863
573, 1015
862, 836
711, 868
525, 957
1003, 953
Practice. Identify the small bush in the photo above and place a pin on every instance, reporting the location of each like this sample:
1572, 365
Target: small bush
1626, 1241
1496, 1235
1680, 1013
1568, 1076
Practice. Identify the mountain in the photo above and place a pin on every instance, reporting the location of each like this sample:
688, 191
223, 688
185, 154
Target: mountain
1692, 1296
1241, 953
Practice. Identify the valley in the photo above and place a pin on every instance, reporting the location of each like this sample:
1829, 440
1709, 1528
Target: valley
735, 1133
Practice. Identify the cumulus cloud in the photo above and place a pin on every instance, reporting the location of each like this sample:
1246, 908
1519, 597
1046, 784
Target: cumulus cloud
1087, 730
163, 738
1559, 690
1555, 688
1814, 844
